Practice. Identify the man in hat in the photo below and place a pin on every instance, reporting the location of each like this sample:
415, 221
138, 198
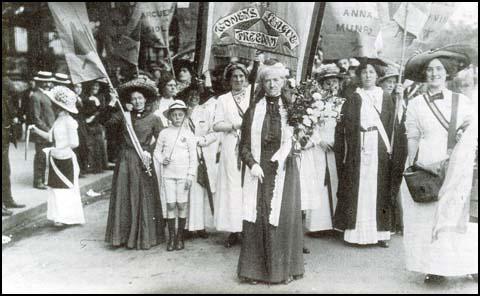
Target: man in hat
61, 79
7, 126
43, 118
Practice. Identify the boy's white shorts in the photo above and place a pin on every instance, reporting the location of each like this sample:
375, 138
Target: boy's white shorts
175, 190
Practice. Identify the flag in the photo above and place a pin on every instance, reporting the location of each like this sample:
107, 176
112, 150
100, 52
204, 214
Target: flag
240, 29
71, 21
440, 12
412, 16
187, 17
391, 35
350, 29
128, 47
155, 18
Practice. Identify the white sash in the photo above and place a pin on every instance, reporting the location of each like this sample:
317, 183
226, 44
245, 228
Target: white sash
250, 187
76, 168
378, 120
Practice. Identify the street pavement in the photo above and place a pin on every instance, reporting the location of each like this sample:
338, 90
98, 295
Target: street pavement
45, 259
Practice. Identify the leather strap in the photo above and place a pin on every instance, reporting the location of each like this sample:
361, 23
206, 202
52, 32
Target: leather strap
438, 114
452, 128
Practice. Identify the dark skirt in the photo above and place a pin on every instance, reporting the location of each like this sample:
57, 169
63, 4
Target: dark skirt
135, 213
97, 149
65, 166
273, 254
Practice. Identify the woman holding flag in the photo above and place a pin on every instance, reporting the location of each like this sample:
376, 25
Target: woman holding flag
135, 215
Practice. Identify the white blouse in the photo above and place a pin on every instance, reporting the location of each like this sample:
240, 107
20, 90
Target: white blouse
65, 136
422, 125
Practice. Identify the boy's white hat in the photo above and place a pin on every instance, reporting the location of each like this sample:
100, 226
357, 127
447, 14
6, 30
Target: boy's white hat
177, 104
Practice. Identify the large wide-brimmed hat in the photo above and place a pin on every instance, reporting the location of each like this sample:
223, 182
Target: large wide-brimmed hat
417, 64
44, 76
328, 71
377, 63
63, 97
389, 72
176, 105
61, 79
141, 83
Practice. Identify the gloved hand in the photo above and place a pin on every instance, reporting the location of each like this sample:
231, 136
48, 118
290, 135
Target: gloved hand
257, 172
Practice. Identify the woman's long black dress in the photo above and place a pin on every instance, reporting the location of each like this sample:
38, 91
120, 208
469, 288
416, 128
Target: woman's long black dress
271, 254
135, 214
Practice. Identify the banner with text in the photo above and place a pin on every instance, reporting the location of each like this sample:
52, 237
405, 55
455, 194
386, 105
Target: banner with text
350, 29
155, 18
440, 13
280, 30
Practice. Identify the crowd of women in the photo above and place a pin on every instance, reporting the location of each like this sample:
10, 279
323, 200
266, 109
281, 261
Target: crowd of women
194, 159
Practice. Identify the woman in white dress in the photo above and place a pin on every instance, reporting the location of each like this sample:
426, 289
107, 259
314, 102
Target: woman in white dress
200, 122
64, 200
453, 252
231, 108
320, 217
362, 152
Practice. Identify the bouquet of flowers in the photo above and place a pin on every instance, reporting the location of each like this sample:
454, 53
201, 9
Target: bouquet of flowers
303, 113
312, 106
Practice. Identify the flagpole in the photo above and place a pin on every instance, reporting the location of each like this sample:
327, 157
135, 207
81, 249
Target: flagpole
398, 101
130, 130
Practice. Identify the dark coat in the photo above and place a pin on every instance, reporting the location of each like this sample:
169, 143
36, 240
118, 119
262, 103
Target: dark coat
43, 115
347, 152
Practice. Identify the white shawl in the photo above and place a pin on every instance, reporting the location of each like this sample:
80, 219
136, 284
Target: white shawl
250, 186
453, 207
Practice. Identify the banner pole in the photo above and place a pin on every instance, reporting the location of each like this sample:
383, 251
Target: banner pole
399, 99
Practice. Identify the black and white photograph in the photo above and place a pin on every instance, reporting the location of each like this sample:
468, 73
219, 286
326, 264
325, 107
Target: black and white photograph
239, 147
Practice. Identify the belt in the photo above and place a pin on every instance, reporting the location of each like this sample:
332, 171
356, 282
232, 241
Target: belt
369, 129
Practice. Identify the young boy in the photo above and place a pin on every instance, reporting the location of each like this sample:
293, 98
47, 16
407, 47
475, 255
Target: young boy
176, 153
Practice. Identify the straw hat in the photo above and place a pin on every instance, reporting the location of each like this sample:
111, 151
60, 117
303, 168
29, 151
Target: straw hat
44, 76
63, 97
389, 72
457, 55
176, 105
141, 83
61, 78
328, 71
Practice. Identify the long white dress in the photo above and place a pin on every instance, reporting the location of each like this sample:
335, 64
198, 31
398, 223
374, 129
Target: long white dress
64, 205
365, 231
453, 254
310, 183
321, 216
228, 206
199, 212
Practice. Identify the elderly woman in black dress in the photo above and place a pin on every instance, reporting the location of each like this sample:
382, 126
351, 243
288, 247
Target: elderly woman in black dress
272, 227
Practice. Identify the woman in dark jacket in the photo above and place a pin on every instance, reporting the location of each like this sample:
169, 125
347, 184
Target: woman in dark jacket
363, 155
93, 103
